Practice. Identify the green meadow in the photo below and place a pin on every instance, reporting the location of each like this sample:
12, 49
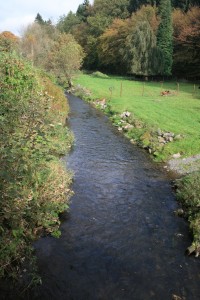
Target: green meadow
177, 112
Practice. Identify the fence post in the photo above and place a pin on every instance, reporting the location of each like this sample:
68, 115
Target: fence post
161, 87
178, 88
121, 87
143, 89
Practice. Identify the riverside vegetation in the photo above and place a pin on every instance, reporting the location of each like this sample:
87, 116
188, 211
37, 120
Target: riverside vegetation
34, 184
162, 117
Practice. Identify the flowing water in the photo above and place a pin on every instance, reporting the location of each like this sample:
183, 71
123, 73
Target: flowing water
121, 239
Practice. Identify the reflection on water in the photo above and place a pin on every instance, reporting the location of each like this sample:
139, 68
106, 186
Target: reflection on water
121, 239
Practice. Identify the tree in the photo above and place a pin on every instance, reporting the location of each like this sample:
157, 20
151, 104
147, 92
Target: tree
39, 19
36, 42
67, 23
130, 45
185, 5
195, 2
98, 24
187, 42
140, 51
101, 16
164, 36
83, 11
111, 44
65, 58
134, 5
8, 41
112, 8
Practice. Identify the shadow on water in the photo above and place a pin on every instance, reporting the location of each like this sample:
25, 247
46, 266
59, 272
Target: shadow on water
121, 239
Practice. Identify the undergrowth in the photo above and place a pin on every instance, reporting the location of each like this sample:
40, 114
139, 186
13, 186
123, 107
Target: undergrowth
99, 75
188, 193
34, 185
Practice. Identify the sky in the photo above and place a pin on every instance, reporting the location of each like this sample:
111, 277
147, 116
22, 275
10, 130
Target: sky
17, 14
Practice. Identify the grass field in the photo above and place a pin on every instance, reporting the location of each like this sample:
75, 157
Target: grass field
178, 112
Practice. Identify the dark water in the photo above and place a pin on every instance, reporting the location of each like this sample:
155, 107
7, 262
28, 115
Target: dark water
121, 239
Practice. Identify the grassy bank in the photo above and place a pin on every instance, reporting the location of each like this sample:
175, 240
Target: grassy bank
188, 193
177, 112
164, 119
34, 185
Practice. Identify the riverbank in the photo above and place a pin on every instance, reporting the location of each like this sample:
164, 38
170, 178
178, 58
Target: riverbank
163, 143
34, 183
157, 109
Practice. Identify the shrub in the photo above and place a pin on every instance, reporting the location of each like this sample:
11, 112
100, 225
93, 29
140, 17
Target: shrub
99, 75
188, 192
34, 186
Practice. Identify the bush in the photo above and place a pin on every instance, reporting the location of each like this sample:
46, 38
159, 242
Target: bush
34, 186
99, 75
188, 192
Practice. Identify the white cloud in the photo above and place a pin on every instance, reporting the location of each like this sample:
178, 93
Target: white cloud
15, 14
16, 24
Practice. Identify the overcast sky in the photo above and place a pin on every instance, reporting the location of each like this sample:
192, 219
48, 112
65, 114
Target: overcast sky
16, 14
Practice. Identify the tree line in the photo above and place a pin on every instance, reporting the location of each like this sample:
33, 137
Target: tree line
47, 48
136, 37
140, 37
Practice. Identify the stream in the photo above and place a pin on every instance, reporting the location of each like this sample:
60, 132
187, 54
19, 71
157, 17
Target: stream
120, 239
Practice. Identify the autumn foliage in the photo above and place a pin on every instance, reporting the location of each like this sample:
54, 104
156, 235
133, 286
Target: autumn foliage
103, 29
8, 41
187, 41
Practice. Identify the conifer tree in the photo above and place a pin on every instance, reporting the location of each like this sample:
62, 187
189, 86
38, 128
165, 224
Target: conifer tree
82, 11
165, 36
39, 19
